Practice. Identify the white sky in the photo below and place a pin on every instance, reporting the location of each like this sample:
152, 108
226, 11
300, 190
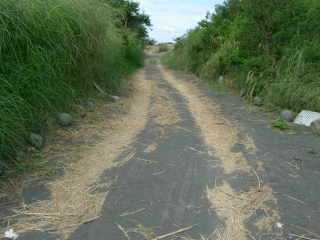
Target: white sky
173, 18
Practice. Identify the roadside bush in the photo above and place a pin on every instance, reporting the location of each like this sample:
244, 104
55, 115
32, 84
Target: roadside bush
52, 53
268, 48
220, 63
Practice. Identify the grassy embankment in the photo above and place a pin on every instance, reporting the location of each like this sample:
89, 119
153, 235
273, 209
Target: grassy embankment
269, 49
52, 53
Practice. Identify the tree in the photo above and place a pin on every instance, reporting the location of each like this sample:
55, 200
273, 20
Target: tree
131, 17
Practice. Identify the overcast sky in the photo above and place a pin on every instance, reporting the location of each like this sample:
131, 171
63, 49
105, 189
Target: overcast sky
172, 18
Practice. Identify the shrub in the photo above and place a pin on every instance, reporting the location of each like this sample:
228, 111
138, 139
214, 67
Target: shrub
52, 52
269, 48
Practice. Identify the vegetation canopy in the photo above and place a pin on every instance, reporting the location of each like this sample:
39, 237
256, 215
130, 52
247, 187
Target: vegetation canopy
267, 48
54, 52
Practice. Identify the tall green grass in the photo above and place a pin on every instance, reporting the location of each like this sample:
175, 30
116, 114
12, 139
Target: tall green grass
269, 49
52, 52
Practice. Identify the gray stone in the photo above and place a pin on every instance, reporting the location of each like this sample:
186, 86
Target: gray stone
258, 101
36, 140
287, 115
64, 119
221, 79
83, 114
115, 98
315, 126
243, 92
90, 105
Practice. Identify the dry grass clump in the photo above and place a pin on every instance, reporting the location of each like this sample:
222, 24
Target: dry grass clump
236, 208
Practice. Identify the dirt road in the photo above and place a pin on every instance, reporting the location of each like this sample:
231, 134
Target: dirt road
185, 162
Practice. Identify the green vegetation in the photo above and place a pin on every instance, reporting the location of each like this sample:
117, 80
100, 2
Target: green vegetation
54, 52
268, 48
281, 124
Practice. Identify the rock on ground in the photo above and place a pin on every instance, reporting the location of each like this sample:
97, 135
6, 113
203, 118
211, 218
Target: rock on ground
90, 105
287, 115
315, 126
258, 101
64, 119
83, 114
221, 80
115, 98
243, 92
36, 140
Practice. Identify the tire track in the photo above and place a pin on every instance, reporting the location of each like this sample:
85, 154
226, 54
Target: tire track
164, 182
235, 207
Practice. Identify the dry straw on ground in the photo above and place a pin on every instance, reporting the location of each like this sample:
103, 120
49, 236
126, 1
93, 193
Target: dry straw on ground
218, 132
221, 135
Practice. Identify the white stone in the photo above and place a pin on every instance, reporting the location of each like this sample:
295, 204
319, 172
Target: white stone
221, 79
115, 98
279, 225
306, 118
10, 234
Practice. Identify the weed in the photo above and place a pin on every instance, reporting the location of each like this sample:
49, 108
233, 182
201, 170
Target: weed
280, 124
52, 52
270, 48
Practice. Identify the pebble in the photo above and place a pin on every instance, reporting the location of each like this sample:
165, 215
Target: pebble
36, 140
64, 119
